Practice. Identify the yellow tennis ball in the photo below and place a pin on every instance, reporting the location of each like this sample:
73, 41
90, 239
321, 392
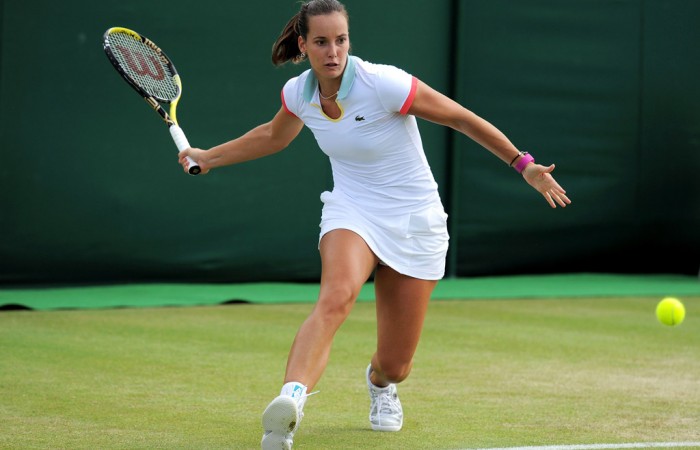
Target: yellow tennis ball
670, 311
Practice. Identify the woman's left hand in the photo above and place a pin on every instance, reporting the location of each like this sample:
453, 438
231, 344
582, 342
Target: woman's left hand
540, 178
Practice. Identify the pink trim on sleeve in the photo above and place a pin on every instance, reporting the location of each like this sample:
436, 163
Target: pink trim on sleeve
284, 104
411, 95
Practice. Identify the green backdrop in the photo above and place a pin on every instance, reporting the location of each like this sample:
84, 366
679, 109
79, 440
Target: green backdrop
91, 191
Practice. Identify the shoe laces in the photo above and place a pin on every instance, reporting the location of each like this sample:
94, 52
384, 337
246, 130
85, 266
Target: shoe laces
301, 400
387, 402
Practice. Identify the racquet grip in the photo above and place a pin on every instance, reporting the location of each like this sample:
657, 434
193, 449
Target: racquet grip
182, 144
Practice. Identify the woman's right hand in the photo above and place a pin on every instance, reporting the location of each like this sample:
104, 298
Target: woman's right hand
198, 155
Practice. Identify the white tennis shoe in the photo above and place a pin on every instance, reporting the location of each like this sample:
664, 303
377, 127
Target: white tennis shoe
385, 411
281, 418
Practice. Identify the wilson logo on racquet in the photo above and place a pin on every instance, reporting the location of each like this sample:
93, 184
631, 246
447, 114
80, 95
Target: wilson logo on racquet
137, 62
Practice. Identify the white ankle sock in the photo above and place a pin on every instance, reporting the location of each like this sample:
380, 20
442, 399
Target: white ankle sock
293, 389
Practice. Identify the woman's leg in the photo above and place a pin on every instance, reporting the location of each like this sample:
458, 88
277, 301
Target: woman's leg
346, 264
401, 303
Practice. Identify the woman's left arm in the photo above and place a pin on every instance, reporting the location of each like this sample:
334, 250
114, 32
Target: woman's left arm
433, 106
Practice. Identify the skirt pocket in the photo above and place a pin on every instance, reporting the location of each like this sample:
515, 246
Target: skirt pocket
428, 231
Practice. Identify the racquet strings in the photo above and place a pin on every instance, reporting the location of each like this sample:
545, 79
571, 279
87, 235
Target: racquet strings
142, 63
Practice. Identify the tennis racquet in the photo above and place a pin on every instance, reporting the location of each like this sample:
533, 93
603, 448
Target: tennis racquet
152, 74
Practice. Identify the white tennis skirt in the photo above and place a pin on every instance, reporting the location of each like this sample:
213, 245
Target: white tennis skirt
413, 244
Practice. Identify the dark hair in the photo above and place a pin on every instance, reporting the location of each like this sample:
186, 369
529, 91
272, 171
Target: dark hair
286, 46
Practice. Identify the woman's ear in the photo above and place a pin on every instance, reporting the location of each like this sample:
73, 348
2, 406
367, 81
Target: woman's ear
302, 44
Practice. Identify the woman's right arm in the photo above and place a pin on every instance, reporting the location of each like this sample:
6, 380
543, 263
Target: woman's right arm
264, 140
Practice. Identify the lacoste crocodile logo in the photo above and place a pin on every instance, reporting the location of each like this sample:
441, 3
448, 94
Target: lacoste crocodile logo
359, 118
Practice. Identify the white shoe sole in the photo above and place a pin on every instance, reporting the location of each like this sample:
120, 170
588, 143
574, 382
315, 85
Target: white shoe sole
281, 415
279, 420
386, 427
275, 441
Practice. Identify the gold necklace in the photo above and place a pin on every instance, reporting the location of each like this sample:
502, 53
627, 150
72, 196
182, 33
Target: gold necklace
329, 97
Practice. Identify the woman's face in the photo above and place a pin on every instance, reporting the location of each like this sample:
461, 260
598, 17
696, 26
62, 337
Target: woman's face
327, 44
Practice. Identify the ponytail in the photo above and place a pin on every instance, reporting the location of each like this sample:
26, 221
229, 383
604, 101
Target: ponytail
286, 46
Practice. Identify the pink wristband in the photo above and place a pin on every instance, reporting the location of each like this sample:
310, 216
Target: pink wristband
524, 161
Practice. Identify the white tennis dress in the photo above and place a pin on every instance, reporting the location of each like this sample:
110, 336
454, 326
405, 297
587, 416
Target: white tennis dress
383, 188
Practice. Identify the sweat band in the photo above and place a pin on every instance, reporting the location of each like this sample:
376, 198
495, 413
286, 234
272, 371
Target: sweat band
524, 161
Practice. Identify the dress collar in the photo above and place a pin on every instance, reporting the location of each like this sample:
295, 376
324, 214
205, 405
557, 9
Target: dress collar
345, 84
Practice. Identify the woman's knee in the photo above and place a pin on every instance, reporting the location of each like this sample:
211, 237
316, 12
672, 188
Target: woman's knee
335, 303
392, 371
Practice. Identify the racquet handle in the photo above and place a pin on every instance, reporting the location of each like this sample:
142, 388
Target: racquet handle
182, 144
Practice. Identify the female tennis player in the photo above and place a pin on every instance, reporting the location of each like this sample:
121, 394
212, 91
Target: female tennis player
384, 215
